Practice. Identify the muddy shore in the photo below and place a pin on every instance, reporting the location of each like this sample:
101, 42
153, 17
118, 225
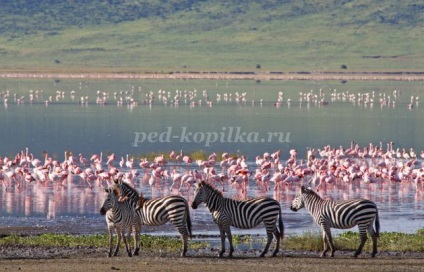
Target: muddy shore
94, 259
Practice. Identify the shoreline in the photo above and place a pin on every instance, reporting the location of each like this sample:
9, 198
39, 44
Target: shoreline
284, 76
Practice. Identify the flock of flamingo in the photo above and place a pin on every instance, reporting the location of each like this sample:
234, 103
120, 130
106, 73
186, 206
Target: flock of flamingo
268, 171
136, 96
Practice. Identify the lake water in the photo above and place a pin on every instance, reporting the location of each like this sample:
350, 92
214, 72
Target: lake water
240, 117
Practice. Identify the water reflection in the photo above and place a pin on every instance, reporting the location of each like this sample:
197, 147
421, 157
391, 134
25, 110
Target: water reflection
399, 203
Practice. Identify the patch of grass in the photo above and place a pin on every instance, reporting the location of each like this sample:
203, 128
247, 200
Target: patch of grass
65, 240
349, 240
306, 241
170, 244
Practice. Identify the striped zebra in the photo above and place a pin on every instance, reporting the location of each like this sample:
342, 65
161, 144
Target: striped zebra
172, 208
245, 214
121, 217
340, 215
158, 211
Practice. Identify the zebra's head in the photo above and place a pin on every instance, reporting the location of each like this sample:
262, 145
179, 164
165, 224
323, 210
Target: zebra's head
298, 202
110, 200
199, 194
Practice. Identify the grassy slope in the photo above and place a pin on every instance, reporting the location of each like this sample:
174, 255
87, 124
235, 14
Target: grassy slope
220, 36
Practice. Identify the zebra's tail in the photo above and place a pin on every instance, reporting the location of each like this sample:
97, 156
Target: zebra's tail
281, 225
377, 225
188, 221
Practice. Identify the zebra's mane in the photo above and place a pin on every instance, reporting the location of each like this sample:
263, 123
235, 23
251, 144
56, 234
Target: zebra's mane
125, 189
309, 191
211, 187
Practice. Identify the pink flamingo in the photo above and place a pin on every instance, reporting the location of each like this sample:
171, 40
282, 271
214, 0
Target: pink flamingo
83, 161
278, 179
110, 159
129, 163
218, 178
187, 160
144, 163
176, 179
173, 155
160, 160
187, 180
180, 156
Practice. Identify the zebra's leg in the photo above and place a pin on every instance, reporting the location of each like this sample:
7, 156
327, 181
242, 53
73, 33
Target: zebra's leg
270, 229
222, 234
374, 240
118, 243
136, 234
277, 236
110, 230
324, 243
184, 239
230, 241
126, 237
363, 234
327, 241
268, 243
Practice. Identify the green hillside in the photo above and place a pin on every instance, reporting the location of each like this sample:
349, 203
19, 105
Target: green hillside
188, 35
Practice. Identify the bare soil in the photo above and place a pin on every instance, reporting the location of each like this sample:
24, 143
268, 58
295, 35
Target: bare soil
94, 259
36, 258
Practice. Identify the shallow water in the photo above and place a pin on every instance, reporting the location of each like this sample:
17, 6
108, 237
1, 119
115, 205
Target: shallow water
45, 116
75, 207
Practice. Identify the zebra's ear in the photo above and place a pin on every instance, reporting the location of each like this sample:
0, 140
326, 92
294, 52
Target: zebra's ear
303, 189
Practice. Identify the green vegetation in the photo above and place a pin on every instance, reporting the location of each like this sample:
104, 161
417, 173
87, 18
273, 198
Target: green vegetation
66, 240
167, 36
194, 155
348, 241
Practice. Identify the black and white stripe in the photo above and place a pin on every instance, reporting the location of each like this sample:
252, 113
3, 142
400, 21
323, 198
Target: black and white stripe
151, 212
121, 217
340, 215
173, 208
245, 214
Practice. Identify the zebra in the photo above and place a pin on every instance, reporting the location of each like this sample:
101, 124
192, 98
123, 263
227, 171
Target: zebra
245, 214
158, 211
121, 216
341, 215
173, 208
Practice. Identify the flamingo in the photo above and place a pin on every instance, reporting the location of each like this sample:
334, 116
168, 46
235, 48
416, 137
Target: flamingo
176, 179
83, 161
187, 160
187, 180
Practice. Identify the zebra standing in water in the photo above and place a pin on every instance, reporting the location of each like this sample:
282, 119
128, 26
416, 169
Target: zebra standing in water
340, 215
121, 217
245, 214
